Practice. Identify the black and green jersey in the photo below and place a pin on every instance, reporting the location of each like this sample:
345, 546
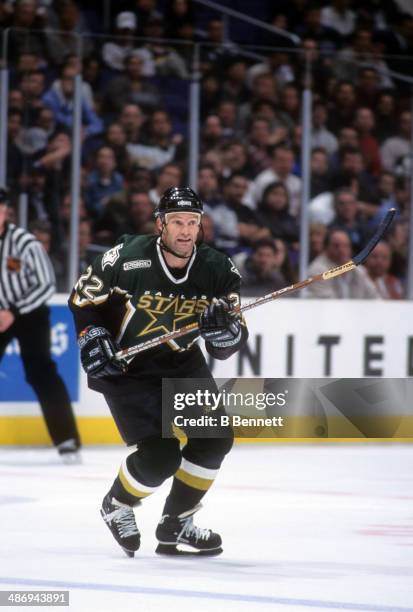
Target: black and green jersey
132, 292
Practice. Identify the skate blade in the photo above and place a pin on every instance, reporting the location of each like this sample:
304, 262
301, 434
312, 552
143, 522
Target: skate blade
173, 551
74, 458
128, 553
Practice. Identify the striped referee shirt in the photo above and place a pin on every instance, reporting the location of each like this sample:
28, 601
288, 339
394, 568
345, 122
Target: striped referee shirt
27, 278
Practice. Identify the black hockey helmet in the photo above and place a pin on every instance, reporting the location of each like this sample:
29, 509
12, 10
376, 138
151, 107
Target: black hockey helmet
4, 196
179, 199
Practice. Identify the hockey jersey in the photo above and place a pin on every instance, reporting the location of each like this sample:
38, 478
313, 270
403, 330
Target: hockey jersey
131, 291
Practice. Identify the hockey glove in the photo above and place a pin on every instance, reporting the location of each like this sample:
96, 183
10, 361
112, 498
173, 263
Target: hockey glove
97, 352
218, 326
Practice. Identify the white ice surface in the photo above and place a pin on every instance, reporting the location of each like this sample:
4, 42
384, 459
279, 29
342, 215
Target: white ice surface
305, 527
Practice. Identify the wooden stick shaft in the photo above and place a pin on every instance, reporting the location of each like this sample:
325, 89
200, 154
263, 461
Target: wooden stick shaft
333, 273
144, 346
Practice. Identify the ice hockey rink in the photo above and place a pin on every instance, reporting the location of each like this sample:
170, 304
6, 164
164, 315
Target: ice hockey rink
305, 527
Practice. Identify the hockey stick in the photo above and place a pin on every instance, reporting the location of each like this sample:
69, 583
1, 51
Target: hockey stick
333, 273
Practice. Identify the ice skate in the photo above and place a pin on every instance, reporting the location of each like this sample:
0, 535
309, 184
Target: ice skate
69, 452
180, 530
120, 519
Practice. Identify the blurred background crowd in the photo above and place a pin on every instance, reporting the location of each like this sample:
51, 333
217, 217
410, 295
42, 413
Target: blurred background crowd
137, 66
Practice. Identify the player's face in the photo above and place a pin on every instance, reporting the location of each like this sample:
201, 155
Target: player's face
181, 231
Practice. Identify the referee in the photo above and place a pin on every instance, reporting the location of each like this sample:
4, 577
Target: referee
26, 283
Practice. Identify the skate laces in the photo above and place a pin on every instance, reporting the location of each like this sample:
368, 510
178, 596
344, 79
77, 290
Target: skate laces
190, 530
125, 521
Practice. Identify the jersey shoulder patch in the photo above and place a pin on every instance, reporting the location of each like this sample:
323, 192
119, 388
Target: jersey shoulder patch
234, 268
111, 256
131, 247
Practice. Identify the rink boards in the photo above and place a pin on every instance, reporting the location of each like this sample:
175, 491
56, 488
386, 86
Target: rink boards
288, 338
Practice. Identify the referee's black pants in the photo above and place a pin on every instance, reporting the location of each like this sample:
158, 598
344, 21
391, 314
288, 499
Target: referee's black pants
32, 331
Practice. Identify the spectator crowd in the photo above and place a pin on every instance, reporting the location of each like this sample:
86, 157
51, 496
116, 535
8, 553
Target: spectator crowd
135, 140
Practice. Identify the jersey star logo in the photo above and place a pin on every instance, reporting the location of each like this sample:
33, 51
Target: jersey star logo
160, 319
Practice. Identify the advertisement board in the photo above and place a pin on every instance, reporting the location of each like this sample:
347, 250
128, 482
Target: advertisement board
288, 338
14, 388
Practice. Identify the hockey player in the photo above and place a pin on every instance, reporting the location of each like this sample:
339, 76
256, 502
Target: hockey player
141, 288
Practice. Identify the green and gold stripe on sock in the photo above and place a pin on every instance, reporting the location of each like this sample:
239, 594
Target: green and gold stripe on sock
132, 485
195, 476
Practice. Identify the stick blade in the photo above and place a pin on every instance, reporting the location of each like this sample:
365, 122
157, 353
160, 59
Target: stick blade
377, 236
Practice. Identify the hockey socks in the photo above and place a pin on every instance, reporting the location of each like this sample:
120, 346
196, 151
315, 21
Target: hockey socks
189, 486
130, 487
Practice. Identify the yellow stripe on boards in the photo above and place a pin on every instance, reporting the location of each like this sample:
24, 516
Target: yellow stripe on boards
31, 431
193, 481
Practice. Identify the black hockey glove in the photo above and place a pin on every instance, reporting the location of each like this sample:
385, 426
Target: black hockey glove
97, 352
218, 326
